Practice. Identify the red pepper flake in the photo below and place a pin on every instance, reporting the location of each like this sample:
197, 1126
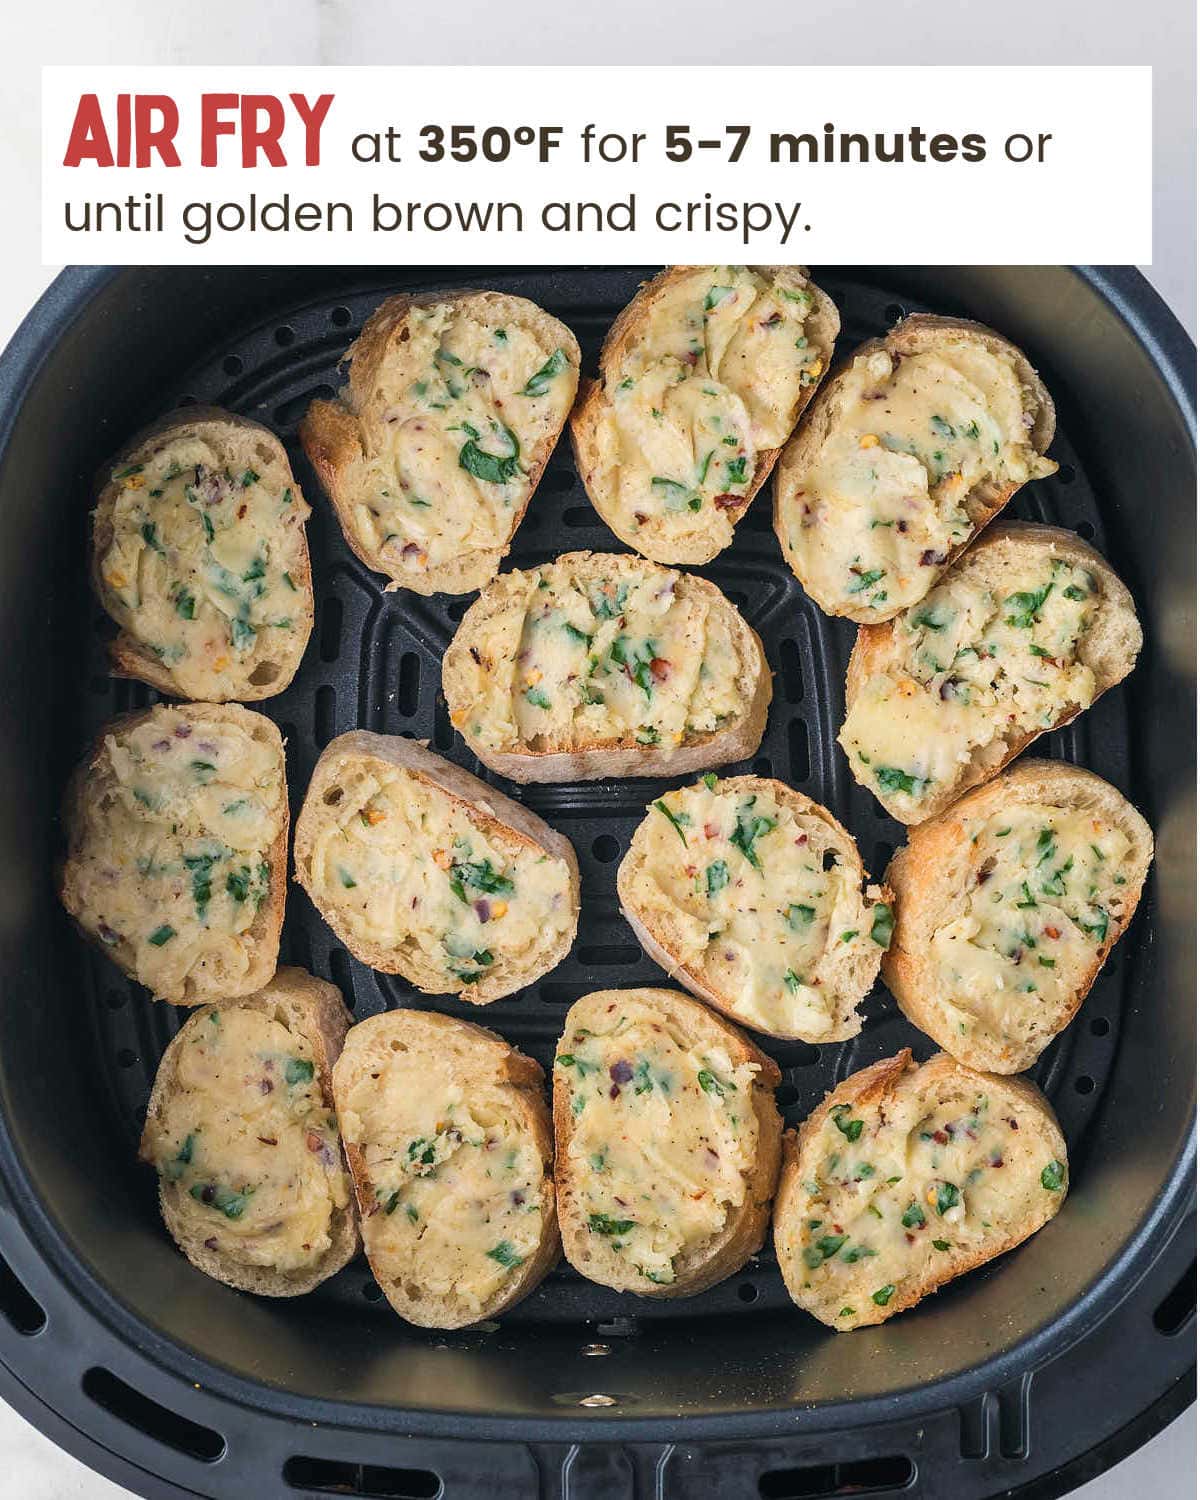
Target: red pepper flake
660, 668
1052, 932
728, 502
313, 1141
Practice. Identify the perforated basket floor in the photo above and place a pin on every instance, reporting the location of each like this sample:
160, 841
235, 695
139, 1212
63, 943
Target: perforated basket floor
374, 662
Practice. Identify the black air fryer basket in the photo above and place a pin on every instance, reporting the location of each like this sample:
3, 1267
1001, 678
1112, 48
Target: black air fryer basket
1024, 1378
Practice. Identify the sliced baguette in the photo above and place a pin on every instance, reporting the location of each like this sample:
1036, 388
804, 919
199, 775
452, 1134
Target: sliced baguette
638, 429
771, 937
450, 1148
876, 451
241, 1129
200, 556
650, 709
176, 864
909, 724
856, 1247
395, 453
667, 1142
1001, 930
423, 870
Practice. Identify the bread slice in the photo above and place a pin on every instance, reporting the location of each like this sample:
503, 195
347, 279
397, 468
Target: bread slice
199, 555
240, 1127
176, 862
1023, 633
905, 1177
598, 665
751, 895
448, 1138
702, 378
907, 452
1008, 904
423, 870
666, 1142
454, 403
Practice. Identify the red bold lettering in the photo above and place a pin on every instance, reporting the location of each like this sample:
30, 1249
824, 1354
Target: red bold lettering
89, 137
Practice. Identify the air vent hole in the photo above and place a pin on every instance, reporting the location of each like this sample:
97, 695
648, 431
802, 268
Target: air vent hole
605, 848
232, 365
341, 317
18, 1304
157, 1422
331, 628
747, 1292
1178, 1307
864, 1476
1084, 1084
285, 336
326, 1476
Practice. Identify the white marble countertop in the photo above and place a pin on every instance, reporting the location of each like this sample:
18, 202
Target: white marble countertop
349, 31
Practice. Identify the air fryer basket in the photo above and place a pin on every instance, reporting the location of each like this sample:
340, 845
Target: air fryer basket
176, 1385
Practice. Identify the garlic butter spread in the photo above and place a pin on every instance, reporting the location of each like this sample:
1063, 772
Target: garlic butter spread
1045, 886
205, 567
450, 425
755, 902
664, 1135
883, 502
710, 380
171, 862
454, 1175
246, 1149
900, 1188
402, 865
973, 664
584, 657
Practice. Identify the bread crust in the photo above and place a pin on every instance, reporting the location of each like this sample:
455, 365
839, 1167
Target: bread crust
873, 1085
923, 875
488, 806
604, 759
268, 921
481, 1053
1110, 647
128, 657
316, 1010
330, 430
746, 1229
592, 404
850, 1022
916, 334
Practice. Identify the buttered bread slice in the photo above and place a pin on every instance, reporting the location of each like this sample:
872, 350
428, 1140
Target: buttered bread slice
905, 454
702, 378
425, 871
176, 860
667, 1142
453, 405
1023, 633
752, 896
1007, 905
598, 665
905, 1177
449, 1142
241, 1130
199, 555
